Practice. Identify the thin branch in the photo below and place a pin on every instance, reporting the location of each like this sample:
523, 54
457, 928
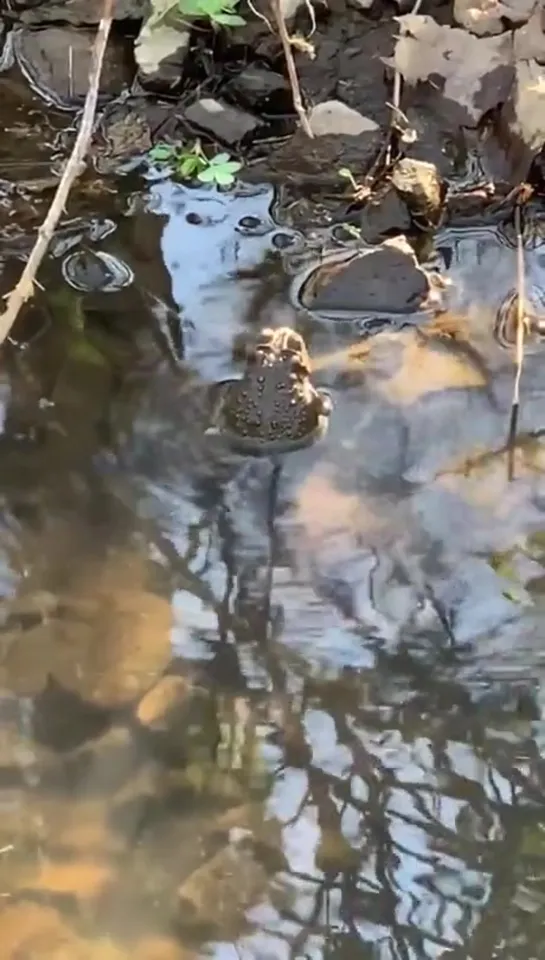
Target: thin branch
396, 97
276, 8
519, 346
24, 289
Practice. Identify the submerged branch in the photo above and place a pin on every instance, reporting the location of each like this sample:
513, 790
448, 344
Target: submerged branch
24, 289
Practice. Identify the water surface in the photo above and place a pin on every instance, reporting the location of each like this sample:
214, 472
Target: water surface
250, 715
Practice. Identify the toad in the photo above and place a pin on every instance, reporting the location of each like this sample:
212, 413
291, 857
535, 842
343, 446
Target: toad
274, 408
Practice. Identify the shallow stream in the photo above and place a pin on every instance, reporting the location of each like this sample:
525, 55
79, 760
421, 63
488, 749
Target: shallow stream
250, 713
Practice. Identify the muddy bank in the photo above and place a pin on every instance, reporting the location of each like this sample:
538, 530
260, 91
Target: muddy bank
170, 78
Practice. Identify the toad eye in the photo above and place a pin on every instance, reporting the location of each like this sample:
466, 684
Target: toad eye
299, 366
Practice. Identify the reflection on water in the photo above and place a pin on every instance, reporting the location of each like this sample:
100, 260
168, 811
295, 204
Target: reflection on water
259, 713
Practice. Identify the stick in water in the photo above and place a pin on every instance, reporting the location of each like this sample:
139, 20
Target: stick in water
519, 346
24, 289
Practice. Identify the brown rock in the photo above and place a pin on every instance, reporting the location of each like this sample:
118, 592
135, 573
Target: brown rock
181, 717
30, 930
166, 700
111, 643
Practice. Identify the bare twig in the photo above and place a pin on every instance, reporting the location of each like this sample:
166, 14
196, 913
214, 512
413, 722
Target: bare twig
396, 97
24, 289
276, 8
519, 346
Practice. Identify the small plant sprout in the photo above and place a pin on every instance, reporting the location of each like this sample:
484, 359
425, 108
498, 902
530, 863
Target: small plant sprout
191, 163
360, 191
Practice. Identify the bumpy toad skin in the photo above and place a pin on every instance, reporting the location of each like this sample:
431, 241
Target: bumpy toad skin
274, 408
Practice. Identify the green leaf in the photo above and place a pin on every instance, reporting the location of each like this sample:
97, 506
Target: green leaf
345, 173
190, 7
207, 176
228, 19
161, 152
223, 178
220, 159
232, 166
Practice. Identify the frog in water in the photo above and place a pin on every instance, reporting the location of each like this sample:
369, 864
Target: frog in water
275, 407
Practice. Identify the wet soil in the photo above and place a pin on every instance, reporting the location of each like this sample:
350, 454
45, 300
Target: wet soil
259, 709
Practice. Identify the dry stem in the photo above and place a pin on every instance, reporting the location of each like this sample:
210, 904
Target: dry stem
24, 289
519, 346
396, 96
292, 72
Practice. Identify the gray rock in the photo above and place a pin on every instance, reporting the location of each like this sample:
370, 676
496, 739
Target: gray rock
384, 215
56, 62
255, 87
421, 188
160, 53
226, 123
366, 281
334, 117
76, 12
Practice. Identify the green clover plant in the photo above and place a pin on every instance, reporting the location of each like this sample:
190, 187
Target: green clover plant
191, 163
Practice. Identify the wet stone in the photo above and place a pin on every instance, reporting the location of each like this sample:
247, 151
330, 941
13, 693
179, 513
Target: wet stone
366, 282
384, 215
56, 62
222, 121
421, 188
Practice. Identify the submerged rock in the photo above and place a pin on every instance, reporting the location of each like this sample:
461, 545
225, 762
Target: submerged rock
76, 11
385, 279
124, 132
96, 271
421, 188
56, 63
222, 121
